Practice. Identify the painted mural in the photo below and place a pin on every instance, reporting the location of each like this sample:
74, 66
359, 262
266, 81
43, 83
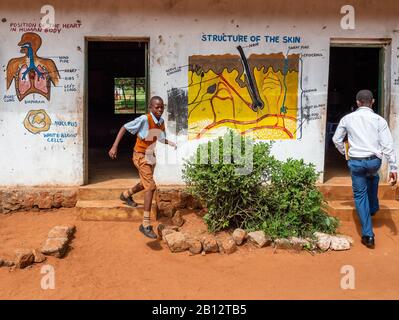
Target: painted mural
258, 95
31, 73
37, 121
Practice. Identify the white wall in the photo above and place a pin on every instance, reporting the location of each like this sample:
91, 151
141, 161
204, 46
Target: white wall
175, 29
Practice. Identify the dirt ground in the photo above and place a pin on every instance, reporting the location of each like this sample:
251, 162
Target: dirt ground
113, 260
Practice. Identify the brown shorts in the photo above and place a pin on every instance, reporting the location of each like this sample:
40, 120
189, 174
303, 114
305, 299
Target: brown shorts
146, 171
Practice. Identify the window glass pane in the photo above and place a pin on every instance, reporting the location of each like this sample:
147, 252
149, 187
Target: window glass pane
141, 95
124, 95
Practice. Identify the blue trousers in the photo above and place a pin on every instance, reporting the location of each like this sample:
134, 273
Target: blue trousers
365, 180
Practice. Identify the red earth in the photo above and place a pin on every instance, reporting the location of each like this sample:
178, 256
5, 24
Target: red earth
113, 260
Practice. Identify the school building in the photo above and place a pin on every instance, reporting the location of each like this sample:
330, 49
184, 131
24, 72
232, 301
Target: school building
76, 71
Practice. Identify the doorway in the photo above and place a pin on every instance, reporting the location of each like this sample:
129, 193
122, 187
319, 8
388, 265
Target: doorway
352, 68
117, 92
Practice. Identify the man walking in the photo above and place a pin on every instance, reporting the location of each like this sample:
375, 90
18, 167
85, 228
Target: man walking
149, 129
369, 139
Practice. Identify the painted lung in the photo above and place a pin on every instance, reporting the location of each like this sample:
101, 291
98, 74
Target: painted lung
31, 73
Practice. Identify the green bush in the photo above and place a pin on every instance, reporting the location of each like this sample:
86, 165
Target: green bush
278, 197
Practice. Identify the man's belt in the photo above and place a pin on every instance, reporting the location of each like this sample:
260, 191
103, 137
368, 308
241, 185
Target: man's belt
366, 158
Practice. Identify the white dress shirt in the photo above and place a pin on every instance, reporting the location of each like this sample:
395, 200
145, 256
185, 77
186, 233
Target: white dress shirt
368, 135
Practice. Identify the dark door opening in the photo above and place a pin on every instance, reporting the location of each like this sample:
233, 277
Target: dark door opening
117, 93
351, 69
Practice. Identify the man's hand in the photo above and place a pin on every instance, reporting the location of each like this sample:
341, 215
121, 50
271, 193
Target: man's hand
113, 152
393, 178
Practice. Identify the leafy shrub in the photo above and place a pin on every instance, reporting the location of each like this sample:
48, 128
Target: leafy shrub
278, 197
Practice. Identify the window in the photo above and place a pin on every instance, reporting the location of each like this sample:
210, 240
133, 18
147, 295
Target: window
130, 95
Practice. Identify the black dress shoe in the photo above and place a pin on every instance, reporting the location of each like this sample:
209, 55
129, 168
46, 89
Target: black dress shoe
147, 231
368, 241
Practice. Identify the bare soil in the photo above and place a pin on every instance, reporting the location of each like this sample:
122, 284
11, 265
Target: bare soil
113, 260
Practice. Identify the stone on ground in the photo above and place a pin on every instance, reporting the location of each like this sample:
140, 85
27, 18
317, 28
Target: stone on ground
323, 240
177, 219
350, 239
259, 238
164, 229
176, 241
195, 246
209, 244
62, 232
8, 263
39, 257
227, 245
23, 258
299, 243
282, 243
339, 243
55, 247
239, 235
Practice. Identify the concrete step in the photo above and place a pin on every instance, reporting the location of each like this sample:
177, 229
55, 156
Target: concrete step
111, 210
107, 193
344, 192
345, 210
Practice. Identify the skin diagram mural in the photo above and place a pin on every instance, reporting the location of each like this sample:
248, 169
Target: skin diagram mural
31, 73
255, 95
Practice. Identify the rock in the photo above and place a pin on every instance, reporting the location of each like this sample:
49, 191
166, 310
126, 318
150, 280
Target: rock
62, 232
39, 257
194, 246
339, 243
209, 244
227, 246
28, 201
58, 199
177, 219
70, 197
162, 227
193, 203
176, 241
44, 200
165, 231
1, 262
8, 263
282, 243
203, 253
55, 247
350, 239
299, 243
259, 238
312, 243
166, 209
23, 258
169, 195
239, 235
323, 240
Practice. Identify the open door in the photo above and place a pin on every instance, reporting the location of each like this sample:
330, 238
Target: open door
117, 92
352, 67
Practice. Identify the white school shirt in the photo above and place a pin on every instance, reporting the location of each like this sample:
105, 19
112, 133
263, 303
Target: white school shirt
140, 126
368, 135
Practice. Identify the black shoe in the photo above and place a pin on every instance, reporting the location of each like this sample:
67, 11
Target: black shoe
368, 241
128, 200
147, 231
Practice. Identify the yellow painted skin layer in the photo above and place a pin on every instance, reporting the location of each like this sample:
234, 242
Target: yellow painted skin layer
219, 102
